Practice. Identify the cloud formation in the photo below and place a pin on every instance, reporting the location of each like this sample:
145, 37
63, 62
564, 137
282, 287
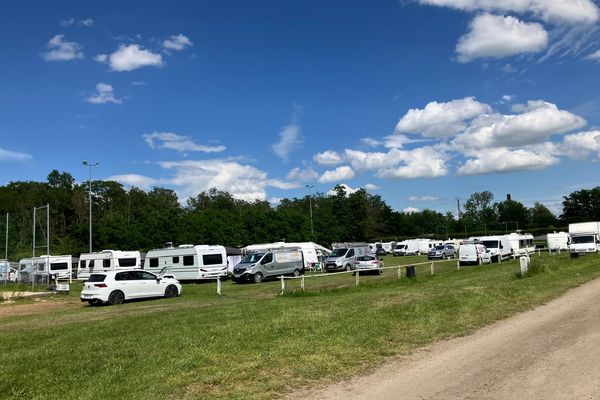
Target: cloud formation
61, 50
339, 174
289, 140
181, 143
87, 22
328, 157
131, 57
9, 155
177, 42
104, 94
139, 181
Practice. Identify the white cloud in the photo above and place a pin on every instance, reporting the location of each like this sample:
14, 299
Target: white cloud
439, 119
339, 174
87, 22
61, 50
328, 157
173, 141
348, 189
104, 94
557, 11
371, 186
138, 83
422, 162
595, 56
507, 98
537, 122
101, 58
361, 160
177, 42
411, 210
140, 181
371, 142
423, 198
581, 145
9, 155
279, 184
505, 160
498, 36
289, 140
131, 57
275, 201
302, 175
192, 177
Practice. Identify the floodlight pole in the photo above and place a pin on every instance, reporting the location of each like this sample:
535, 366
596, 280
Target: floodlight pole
6, 240
89, 165
312, 233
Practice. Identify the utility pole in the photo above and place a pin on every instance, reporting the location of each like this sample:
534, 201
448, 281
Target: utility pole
458, 206
6, 240
87, 164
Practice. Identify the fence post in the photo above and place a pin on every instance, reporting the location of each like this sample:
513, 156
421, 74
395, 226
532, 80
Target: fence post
399, 272
458, 265
539, 252
302, 283
219, 285
282, 285
357, 277
432, 268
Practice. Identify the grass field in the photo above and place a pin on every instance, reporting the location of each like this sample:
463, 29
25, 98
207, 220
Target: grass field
253, 343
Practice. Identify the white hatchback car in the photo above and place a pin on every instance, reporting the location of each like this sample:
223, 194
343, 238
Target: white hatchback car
114, 287
368, 264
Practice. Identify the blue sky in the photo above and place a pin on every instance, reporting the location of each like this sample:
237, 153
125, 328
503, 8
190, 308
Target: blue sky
418, 101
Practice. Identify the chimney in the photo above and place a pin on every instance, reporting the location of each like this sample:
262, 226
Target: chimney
508, 197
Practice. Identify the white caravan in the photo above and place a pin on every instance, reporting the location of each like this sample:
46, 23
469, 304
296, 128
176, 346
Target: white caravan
189, 262
313, 253
499, 246
558, 241
41, 266
521, 243
584, 238
387, 246
107, 260
8, 272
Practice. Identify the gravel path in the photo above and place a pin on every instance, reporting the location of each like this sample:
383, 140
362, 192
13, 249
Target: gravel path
551, 352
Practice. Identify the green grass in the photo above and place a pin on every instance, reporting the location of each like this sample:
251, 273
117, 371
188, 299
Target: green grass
253, 343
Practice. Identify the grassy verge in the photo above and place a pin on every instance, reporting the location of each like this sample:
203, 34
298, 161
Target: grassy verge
252, 343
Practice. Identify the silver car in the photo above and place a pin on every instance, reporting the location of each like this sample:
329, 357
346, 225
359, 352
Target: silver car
442, 251
368, 264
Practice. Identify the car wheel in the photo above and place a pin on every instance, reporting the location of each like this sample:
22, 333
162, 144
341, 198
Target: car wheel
348, 267
171, 291
258, 277
296, 273
116, 297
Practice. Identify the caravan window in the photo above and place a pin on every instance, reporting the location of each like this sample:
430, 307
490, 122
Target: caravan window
176, 260
490, 244
214, 259
154, 263
57, 266
127, 262
106, 263
82, 264
188, 260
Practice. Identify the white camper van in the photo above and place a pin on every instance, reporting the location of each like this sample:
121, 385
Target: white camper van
585, 238
107, 260
558, 241
189, 262
521, 243
499, 246
38, 268
343, 256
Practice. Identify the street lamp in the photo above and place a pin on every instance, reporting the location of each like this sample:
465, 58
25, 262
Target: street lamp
312, 233
89, 165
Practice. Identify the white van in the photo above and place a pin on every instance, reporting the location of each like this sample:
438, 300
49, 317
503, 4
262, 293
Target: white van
312, 252
407, 248
188, 262
499, 246
521, 243
257, 266
343, 256
107, 260
473, 253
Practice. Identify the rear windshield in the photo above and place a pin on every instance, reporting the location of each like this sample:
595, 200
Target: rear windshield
96, 278
365, 258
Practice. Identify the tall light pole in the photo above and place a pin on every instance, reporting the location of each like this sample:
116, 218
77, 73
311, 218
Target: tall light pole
312, 233
89, 165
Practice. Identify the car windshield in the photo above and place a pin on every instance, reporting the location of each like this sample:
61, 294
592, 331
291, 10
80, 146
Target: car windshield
252, 258
401, 246
365, 258
439, 247
490, 244
338, 253
96, 278
582, 239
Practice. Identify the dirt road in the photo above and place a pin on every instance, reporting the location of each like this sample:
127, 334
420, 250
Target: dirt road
551, 352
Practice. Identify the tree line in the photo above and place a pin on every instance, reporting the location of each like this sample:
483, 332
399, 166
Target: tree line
134, 219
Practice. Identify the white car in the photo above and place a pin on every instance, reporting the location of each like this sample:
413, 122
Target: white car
473, 253
114, 287
368, 264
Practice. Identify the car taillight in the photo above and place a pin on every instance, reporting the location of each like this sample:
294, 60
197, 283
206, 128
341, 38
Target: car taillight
100, 284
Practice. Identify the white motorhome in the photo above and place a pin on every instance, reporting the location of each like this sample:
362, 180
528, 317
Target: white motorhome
107, 260
499, 246
558, 241
521, 243
312, 252
585, 238
189, 262
38, 268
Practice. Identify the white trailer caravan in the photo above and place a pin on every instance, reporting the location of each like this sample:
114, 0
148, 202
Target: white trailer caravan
38, 268
499, 246
107, 260
521, 243
313, 253
585, 238
189, 262
558, 241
